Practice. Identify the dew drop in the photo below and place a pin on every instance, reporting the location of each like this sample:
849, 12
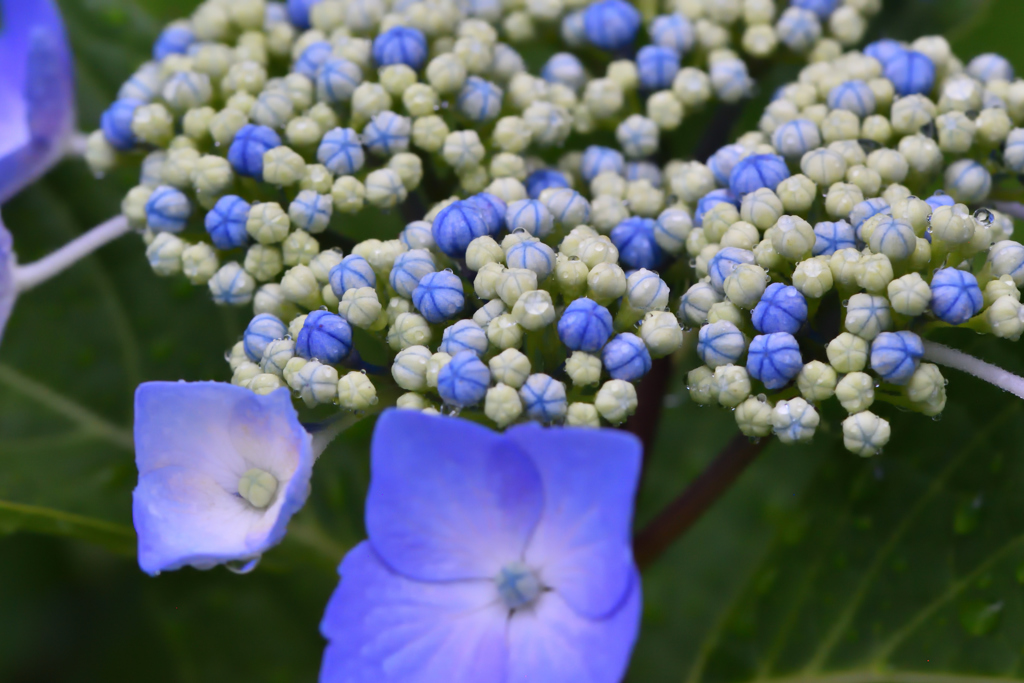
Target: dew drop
980, 618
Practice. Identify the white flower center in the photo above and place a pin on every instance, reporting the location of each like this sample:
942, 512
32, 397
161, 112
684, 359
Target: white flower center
518, 585
257, 487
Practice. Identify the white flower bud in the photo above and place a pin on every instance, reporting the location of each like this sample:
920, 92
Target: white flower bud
813, 277
816, 381
583, 368
502, 404
510, 367
702, 385
794, 420
754, 418
164, 254
616, 400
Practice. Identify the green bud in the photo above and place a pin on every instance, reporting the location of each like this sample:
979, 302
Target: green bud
164, 254
581, 414
503, 332
153, 124
583, 368
257, 486
348, 194
616, 400
410, 368
733, 384
510, 367
503, 405
816, 381
409, 329
361, 307
270, 299
702, 385
283, 166
856, 391
534, 310
299, 286
754, 417
909, 295
199, 262
268, 223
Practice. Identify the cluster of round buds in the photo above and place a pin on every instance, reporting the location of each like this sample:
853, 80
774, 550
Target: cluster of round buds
521, 310
854, 222
259, 125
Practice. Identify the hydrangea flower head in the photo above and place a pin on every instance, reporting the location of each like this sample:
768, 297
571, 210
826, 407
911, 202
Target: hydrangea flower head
221, 471
491, 557
37, 90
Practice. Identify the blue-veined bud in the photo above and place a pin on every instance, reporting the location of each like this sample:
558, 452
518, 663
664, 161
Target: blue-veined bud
865, 434
794, 421
164, 254
410, 368
276, 355
316, 383
774, 359
896, 355
856, 391
956, 296
967, 181
543, 398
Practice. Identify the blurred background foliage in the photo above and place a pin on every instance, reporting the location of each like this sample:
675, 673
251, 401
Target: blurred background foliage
817, 566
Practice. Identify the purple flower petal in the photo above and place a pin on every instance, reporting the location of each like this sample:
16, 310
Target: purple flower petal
448, 499
193, 444
384, 627
37, 91
582, 544
553, 644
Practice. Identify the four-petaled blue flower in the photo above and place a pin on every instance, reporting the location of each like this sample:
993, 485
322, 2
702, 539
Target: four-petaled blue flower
896, 355
585, 325
782, 308
491, 557
221, 472
956, 297
774, 359
325, 336
37, 92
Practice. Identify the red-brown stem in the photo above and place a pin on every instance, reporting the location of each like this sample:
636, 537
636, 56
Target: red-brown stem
681, 514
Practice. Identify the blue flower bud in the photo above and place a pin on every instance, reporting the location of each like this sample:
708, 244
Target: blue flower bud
798, 28
990, 66
597, 159
479, 99
542, 179
626, 357
720, 343
543, 398
657, 67
168, 209
400, 45
782, 308
774, 359
439, 296
417, 235
352, 273
585, 325
312, 58
298, 12
247, 149
634, 238
116, 123
709, 200
464, 335
491, 208
143, 84
644, 170
823, 8
262, 329
225, 222
939, 198
673, 31
893, 237
311, 211
968, 181
721, 265
866, 209
1013, 151
409, 269
324, 336
830, 237
911, 73
573, 29
611, 25
896, 355
757, 171
173, 40
796, 138
529, 215
463, 380
337, 79
532, 255
724, 161
883, 50
956, 296
853, 96
387, 134
341, 151
456, 225
565, 68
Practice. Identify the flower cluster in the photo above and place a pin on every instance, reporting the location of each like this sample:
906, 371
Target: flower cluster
821, 283
264, 126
